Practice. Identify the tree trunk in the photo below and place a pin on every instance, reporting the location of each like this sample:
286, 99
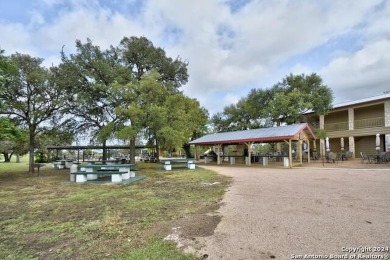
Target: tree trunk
31, 151
187, 150
132, 150
17, 158
7, 158
157, 151
105, 150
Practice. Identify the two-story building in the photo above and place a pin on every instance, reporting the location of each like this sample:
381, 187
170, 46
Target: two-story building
356, 124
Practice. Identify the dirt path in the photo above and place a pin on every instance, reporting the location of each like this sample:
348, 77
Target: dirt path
290, 213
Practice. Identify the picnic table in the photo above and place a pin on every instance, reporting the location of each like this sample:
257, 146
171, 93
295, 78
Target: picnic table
116, 161
62, 164
167, 164
118, 172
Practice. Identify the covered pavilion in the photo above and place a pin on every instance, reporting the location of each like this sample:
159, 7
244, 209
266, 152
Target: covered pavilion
288, 134
79, 148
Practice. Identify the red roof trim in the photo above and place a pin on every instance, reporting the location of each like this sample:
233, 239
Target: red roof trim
254, 140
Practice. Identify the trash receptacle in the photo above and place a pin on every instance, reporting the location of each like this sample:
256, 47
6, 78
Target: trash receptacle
286, 162
232, 160
265, 161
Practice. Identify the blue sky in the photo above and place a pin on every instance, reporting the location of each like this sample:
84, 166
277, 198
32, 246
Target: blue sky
232, 46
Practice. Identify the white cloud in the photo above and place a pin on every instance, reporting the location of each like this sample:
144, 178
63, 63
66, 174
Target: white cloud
263, 36
227, 52
300, 68
105, 28
37, 18
16, 38
365, 71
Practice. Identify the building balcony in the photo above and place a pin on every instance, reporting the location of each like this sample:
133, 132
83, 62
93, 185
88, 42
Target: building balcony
358, 124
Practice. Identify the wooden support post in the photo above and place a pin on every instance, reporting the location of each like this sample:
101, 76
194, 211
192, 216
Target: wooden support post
300, 151
249, 147
218, 154
290, 153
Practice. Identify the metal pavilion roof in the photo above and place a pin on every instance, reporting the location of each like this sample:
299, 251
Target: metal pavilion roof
271, 134
85, 147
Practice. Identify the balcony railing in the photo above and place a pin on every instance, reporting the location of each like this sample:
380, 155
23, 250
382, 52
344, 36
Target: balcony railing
341, 126
371, 122
358, 124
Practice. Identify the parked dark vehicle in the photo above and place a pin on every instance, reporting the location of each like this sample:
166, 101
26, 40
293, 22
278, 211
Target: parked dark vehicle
152, 159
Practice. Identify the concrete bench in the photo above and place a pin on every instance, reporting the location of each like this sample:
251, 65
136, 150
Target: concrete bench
116, 176
167, 165
58, 165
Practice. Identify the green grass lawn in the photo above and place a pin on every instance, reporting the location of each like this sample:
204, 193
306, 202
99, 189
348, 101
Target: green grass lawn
47, 218
13, 166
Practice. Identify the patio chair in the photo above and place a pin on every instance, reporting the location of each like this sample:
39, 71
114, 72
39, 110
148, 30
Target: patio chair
348, 155
305, 157
331, 157
338, 157
363, 158
315, 156
387, 157
383, 157
367, 158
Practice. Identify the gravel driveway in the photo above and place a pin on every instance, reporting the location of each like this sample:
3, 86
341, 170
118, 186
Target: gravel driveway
316, 213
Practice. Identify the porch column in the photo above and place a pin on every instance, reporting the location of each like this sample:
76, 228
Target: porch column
351, 126
351, 141
278, 148
300, 151
249, 147
322, 141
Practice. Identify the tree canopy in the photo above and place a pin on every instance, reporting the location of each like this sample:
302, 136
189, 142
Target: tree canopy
285, 102
88, 76
31, 97
124, 91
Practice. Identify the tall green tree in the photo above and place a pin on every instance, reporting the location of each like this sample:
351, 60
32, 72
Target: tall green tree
172, 119
141, 57
31, 97
167, 118
285, 102
88, 76
250, 112
298, 94
187, 119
